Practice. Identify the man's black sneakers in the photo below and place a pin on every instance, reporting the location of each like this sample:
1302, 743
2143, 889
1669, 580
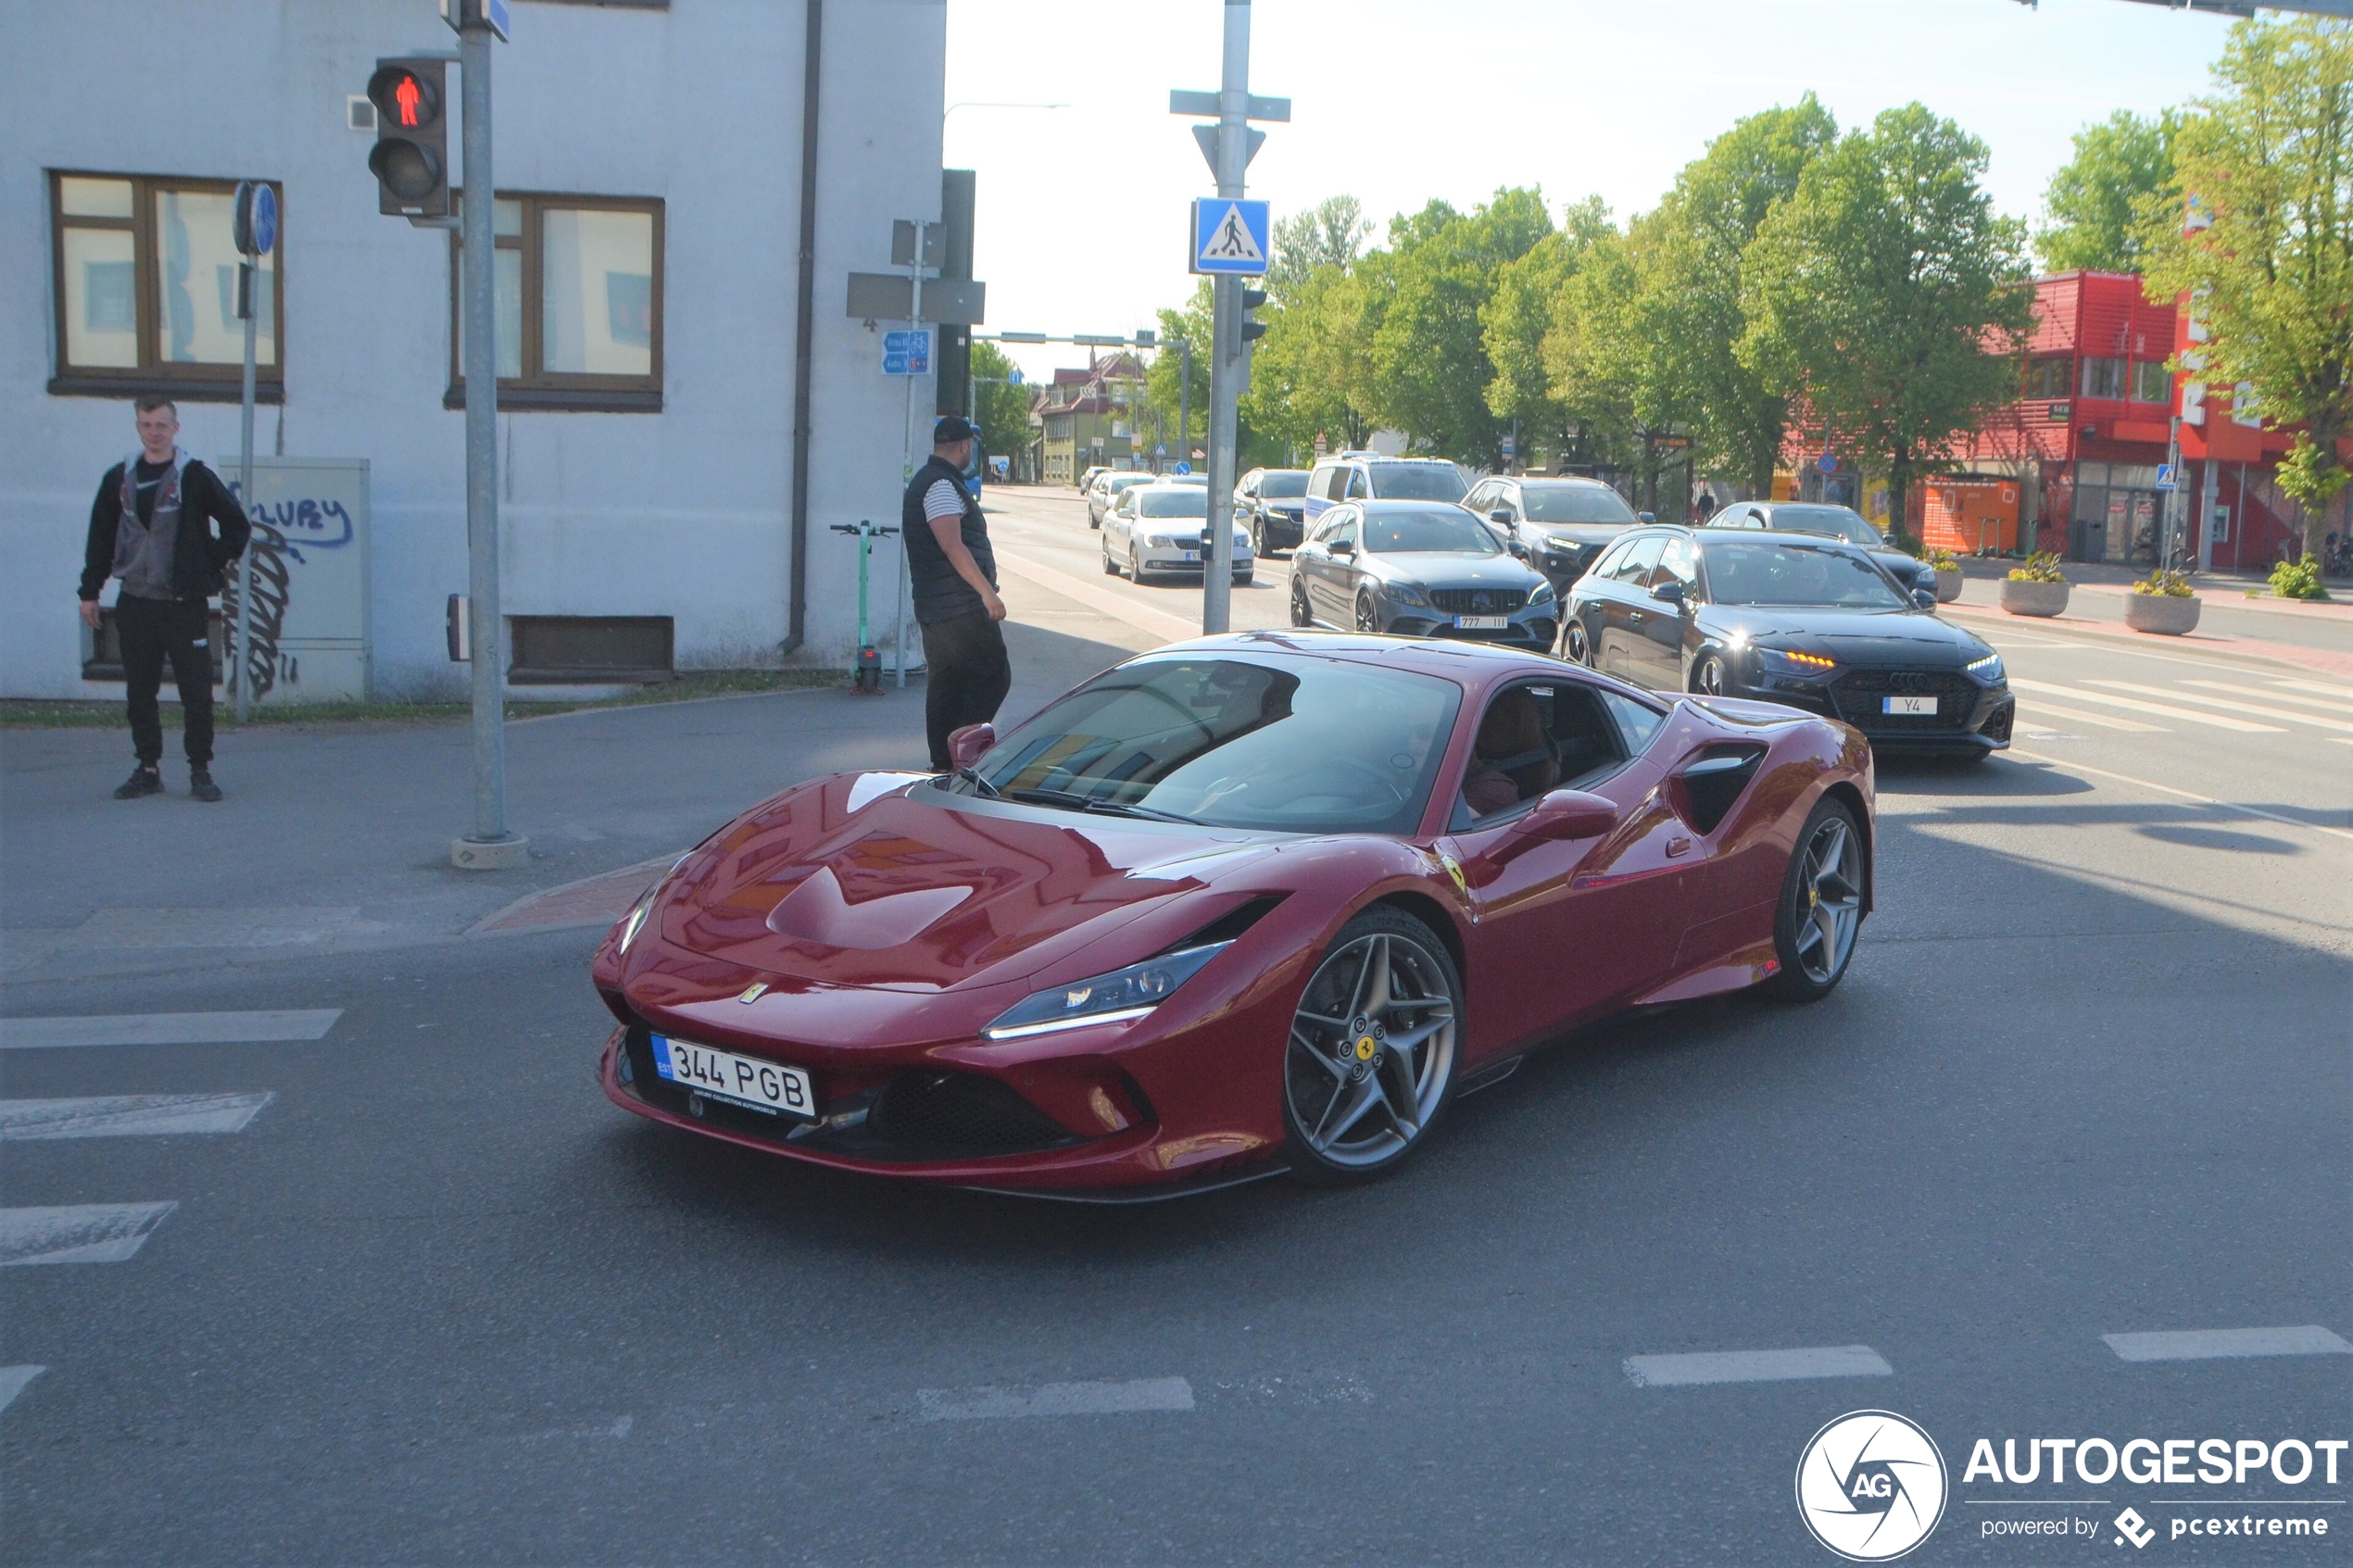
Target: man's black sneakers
143, 780
200, 784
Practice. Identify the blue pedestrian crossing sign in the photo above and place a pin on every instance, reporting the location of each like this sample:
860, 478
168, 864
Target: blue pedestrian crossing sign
2165, 480
1229, 236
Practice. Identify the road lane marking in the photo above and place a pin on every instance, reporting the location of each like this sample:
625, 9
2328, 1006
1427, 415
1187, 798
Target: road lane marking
2211, 1344
15, 1380
2181, 794
85, 1233
2161, 710
2036, 704
1756, 1366
168, 1029
2234, 705
2269, 695
2342, 693
1130, 1398
1142, 617
126, 1116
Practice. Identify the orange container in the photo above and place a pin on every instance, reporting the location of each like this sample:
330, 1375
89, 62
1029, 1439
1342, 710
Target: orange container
1968, 515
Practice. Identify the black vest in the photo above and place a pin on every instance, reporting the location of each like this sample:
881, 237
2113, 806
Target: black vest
940, 592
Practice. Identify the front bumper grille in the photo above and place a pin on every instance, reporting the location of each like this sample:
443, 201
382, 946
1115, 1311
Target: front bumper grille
1479, 601
1859, 694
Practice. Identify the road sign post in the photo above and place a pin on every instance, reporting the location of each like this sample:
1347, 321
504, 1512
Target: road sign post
254, 230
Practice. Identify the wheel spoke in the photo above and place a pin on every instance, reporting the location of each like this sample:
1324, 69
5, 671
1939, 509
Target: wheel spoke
1397, 1092
1323, 1058
1808, 933
1357, 1099
1372, 981
1367, 1094
1413, 1039
1826, 922
1339, 1023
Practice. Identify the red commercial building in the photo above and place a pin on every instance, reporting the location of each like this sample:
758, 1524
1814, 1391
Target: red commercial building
2091, 428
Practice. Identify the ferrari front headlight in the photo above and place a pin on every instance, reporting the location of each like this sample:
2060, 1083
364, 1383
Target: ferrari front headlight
1115, 998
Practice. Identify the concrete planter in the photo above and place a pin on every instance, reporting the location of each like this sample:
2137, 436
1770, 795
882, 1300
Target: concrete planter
2162, 613
2035, 598
1948, 584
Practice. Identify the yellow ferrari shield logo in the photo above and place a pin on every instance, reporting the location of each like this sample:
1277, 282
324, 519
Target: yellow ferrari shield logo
1365, 1047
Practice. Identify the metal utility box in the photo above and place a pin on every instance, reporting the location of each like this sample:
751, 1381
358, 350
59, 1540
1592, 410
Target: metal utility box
310, 588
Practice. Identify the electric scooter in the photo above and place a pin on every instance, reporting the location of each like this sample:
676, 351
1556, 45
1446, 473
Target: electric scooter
866, 680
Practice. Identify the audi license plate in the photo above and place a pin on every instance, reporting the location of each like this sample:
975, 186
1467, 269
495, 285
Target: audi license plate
739, 1080
1481, 622
1908, 705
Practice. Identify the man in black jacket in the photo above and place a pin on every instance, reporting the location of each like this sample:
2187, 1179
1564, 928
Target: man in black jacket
150, 527
952, 572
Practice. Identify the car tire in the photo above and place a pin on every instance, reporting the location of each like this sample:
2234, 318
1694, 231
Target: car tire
1257, 535
1244, 579
1367, 618
1707, 675
1342, 1058
1576, 647
1821, 911
1111, 566
1301, 614
1135, 566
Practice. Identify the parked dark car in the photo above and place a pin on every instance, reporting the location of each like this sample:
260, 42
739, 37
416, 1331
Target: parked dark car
1419, 568
1790, 618
1272, 504
1564, 522
1830, 522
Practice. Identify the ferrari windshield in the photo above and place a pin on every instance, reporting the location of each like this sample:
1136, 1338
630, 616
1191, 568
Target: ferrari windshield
1453, 530
1289, 746
1835, 523
1757, 571
1575, 503
1418, 482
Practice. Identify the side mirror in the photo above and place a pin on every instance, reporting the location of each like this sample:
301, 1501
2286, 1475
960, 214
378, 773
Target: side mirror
1516, 548
1569, 814
1669, 593
1646, 517
1342, 547
1500, 516
1925, 598
969, 744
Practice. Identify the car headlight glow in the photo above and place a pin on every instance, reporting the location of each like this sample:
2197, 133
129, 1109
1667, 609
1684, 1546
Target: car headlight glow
1810, 662
1115, 998
1987, 668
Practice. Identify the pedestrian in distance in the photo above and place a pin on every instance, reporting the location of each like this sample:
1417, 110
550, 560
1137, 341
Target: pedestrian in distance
952, 574
167, 527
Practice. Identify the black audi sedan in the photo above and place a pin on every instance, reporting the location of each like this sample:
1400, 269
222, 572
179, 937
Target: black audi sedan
1419, 568
1790, 618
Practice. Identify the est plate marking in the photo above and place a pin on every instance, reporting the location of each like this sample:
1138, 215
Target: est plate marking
739, 1080
1915, 705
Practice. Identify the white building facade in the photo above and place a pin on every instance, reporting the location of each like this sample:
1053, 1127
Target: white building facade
648, 160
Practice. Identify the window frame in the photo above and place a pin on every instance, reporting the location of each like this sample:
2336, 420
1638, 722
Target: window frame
2147, 374
538, 389
194, 382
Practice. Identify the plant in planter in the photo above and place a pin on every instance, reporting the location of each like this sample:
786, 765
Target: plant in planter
2036, 586
2298, 580
2164, 604
1948, 575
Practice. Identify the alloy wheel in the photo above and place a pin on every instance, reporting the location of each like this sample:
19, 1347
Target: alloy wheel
1301, 615
1830, 883
1372, 1051
1574, 645
1366, 620
1708, 679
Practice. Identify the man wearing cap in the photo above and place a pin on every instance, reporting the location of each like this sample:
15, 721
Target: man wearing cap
954, 574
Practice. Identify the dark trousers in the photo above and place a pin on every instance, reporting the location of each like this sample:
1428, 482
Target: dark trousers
151, 631
970, 675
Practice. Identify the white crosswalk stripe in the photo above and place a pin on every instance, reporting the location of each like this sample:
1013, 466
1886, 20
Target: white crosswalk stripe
2105, 722
2134, 705
2234, 705
168, 1029
126, 1116
85, 1233
2342, 693
2211, 1344
1756, 1366
2269, 694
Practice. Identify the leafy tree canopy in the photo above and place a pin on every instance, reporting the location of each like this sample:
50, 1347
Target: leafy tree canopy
2092, 200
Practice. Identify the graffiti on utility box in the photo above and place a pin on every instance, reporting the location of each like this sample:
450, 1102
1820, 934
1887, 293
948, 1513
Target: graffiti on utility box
308, 636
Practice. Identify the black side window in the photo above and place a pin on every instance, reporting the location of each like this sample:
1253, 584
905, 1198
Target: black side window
1536, 738
1638, 722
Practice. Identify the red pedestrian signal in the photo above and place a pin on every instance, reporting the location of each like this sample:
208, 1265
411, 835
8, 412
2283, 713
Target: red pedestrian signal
410, 159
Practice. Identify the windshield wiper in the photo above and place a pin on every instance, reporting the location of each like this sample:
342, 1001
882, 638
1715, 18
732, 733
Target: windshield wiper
1070, 800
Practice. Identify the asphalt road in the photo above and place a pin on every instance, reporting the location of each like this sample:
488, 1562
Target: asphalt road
436, 1302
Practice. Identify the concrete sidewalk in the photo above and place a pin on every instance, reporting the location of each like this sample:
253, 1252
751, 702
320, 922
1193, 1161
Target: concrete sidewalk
336, 837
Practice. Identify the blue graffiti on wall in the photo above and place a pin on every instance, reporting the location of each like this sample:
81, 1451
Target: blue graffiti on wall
306, 524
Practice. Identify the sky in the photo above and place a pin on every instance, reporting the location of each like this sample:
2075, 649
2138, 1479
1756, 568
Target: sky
1081, 210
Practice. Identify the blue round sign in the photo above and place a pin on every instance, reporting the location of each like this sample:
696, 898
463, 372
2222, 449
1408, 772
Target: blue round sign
1829, 462
253, 218
1184, 468
264, 219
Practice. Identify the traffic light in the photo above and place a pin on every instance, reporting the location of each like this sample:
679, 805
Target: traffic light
410, 159
1252, 330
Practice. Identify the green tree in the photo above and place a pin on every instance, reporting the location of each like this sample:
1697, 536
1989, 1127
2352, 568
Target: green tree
1164, 377
1692, 290
2269, 155
1888, 295
1330, 234
1430, 369
1519, 315
999, 407
2092, 200
1610, 369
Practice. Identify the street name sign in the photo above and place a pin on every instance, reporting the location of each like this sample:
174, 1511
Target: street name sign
907, 353
1230, 236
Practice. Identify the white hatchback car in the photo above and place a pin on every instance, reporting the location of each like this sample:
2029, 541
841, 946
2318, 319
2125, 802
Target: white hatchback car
1157, 529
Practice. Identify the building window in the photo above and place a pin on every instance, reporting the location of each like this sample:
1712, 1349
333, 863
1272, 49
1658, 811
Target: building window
2103, 378
2152, 382
579, 289
2046, 378
590, 649
145, 277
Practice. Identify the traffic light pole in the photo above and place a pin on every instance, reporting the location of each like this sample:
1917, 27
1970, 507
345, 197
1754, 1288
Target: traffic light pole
1226, 368
489, 847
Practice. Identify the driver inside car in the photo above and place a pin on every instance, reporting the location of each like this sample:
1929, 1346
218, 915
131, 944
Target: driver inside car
1514, 759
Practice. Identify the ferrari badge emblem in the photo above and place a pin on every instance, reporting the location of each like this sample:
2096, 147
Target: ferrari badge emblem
753, 992
1365, 1047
